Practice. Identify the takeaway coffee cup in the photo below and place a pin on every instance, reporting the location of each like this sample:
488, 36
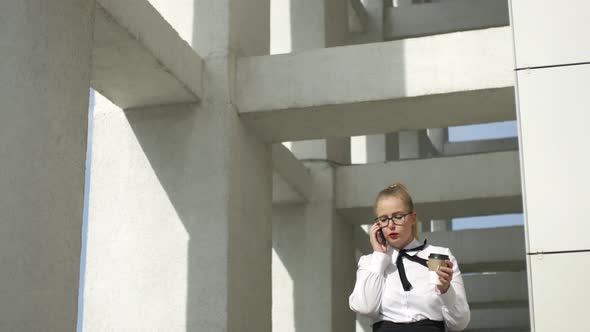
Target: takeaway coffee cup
435, 261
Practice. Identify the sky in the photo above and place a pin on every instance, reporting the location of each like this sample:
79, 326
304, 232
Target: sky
479, 132
483, 131
85, 211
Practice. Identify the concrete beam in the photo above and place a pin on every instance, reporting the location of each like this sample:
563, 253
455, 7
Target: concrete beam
469, 147
476, 250
496, 320
443, 17
291, 179
379, 88
139, 60
442, 188
500, 289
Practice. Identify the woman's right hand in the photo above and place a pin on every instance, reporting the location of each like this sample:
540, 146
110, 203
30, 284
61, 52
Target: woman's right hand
373, 238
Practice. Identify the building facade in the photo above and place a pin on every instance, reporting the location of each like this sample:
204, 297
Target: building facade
237, 147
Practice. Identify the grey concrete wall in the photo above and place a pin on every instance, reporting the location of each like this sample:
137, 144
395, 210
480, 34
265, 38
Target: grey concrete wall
336, 22
179, 243
44, 86
179, 226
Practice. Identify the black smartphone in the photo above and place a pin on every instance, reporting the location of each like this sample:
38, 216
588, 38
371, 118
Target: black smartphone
380, 237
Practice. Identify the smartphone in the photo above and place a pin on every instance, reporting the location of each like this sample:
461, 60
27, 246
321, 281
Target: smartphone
380, 237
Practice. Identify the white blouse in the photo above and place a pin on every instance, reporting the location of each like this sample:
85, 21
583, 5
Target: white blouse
378, 292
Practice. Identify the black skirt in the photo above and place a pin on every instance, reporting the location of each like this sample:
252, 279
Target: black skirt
420, 326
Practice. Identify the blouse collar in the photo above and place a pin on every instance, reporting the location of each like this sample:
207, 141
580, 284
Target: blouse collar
413, 244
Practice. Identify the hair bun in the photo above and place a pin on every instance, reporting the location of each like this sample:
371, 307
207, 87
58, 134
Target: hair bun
396, 185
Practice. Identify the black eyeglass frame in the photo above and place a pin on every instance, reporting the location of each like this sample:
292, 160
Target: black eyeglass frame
397, 219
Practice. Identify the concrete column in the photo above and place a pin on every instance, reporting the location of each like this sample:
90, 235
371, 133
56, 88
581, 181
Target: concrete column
313, 261
376, 148
409, 144
392, 146
438, 137
423, 226
336, 22
374, 27
297, 25
44, 86
367, 149
440, 225
306, 28
179, 232
336, 150
302, 22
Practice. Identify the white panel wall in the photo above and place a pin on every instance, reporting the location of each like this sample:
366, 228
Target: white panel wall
553, 113
559, 285
554, 116
550, 32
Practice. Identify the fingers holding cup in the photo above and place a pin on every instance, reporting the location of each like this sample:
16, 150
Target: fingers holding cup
445, 276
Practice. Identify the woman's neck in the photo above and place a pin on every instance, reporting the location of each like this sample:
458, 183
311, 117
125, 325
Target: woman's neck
405, 244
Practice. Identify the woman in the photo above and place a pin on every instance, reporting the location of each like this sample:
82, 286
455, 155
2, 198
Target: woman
392, 284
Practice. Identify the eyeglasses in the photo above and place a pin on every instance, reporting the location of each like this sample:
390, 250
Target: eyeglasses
396, 218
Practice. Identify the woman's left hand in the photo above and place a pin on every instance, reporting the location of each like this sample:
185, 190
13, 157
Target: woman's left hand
445, 275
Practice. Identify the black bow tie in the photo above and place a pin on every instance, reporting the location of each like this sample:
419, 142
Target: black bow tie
399, 262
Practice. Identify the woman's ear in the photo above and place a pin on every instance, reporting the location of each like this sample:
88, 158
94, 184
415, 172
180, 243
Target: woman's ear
414, 217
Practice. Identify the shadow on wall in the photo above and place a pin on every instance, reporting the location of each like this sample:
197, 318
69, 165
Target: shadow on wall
167, 138
313, 269
209, 166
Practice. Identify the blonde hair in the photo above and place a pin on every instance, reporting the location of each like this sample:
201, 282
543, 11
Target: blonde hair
400, 191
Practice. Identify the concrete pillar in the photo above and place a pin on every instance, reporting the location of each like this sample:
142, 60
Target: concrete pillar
368, 149
311, 24
179, 232
374, 27
392, 146
44, 86
376, 148
313, 261
336, 150
440, 225
438, 137
409, 144
302, 22
336, 22
297, 25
